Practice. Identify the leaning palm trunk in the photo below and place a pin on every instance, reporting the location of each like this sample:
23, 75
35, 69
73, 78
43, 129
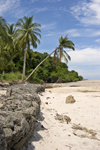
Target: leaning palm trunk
40, 64
63, 42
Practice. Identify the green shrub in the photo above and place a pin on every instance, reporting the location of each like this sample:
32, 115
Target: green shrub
36, 80
11, 76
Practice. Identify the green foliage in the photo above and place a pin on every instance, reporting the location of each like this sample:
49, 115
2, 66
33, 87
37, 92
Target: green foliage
48, 72
11, 76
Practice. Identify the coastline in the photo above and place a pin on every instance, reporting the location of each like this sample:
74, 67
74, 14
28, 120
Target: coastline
83, 83
82, 132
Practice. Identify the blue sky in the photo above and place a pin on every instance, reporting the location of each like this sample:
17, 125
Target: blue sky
80, 19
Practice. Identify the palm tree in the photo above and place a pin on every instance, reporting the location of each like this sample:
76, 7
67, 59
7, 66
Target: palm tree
59, 52
2, 25
27, 35
3, 41
2, 56
10, 46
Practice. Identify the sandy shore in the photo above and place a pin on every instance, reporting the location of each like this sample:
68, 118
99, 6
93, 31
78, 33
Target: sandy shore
83, 132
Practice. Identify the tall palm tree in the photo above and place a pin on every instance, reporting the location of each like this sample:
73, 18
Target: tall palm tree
3, 33
27, 35
59, 52
3, 41
10, 46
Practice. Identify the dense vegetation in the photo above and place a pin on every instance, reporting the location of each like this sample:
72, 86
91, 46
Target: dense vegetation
47, 72
16, 55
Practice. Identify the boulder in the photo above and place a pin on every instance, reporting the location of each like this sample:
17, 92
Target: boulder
19, 110
70, 99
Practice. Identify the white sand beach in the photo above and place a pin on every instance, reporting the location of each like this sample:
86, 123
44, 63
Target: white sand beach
83, 132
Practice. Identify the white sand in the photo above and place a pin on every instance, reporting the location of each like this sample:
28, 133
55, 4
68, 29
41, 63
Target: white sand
84, 112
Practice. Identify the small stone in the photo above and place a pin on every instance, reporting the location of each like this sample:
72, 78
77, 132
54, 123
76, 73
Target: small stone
46, 103
67, 119
48, 98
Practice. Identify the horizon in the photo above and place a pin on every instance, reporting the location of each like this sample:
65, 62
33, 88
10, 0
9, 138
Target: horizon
79, 19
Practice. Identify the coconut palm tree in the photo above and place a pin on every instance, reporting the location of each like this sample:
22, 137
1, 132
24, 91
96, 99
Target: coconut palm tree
3, 33
27, 35
3, 41
59, 52
10, 46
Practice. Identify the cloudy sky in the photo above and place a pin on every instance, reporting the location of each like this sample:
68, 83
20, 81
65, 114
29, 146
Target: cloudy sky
80, 19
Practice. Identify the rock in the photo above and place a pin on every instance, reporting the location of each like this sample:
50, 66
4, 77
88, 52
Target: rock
62, 118
70, 99
18, 114
59, 117
83, 132
67, 119
46, 103
1, 105
48, 98
3, 144
5, 84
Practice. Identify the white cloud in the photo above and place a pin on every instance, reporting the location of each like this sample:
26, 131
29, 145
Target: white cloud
14, 7
98, 40
86, 62
87, 56
71, 32
48, 26
8, 5
87, 12
37, 10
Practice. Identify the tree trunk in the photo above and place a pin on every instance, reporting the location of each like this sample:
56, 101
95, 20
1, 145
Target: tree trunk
3, 72
24, 64
11, 62
40, 64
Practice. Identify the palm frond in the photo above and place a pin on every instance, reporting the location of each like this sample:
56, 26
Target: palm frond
64, 42
66, 54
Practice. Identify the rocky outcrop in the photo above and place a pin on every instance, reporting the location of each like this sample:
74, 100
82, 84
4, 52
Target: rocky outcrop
19, 111
70, 99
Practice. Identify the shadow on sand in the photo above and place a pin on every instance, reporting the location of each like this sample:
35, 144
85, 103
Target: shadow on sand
36, 136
